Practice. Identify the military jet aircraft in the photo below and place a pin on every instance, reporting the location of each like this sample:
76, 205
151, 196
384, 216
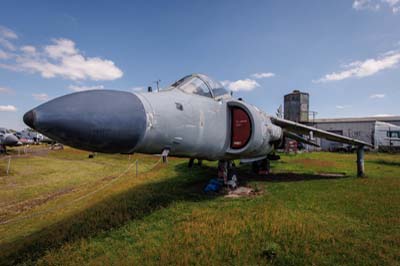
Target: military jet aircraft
195, 117
7, 139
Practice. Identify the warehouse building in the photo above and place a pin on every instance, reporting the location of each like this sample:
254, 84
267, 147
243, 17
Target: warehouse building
296, 108
362, 128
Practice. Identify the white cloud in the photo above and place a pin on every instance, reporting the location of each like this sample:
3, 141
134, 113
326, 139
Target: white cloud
137, 89
366, 4
9, 67
29, 49
61, 48
5, 90
40, 97
4, 55
5, 36
241, 84
7, 44
8, 108
382, 115
377, 96
263, 75
365, 68
63, 59
343, 106
393, 5
85, 88
7, 33
391, 2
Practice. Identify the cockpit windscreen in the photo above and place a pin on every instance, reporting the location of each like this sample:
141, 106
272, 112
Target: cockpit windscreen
200, 84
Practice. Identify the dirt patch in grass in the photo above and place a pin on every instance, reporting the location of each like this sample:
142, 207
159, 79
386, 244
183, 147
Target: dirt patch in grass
32, 203
108, 178
315, 163
243, 192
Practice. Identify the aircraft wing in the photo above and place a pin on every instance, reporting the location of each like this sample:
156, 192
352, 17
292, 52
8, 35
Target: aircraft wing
299, 138
298, 128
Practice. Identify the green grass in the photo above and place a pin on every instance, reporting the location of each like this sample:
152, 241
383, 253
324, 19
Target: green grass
162, 217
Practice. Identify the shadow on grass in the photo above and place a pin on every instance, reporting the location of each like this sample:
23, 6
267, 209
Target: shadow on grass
293, 177
113, 212
246, 175
386, 163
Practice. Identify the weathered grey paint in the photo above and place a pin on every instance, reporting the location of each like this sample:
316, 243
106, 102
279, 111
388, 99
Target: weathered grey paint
186, 124
296, 106
200, 127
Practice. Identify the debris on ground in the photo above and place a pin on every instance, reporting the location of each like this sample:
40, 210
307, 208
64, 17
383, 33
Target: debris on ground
271, 251
230, 189
214, 185
241, 192
232, 184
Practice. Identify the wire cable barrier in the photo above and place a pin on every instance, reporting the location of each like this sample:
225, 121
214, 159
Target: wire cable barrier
21, 218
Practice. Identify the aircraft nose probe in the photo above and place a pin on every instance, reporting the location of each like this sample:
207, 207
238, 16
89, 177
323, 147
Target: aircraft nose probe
99, 120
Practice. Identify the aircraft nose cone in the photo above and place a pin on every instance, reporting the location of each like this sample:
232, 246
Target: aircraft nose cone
99, 120
29, 118
11, 140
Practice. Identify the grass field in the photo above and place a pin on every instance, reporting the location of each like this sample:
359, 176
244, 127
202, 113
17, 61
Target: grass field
62, 208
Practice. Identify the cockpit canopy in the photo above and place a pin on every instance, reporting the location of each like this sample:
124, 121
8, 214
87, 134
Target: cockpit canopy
201, 85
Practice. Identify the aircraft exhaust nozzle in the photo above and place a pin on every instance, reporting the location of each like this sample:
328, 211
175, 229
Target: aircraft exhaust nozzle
99, 120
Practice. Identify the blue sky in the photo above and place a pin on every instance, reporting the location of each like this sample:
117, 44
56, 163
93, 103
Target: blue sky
345, 53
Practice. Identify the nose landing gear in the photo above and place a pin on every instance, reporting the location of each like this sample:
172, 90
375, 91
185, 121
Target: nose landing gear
226, 171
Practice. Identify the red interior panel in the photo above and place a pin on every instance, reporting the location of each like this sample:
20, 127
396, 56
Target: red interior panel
241, 128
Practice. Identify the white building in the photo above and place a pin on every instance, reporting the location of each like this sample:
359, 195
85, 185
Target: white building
362, 128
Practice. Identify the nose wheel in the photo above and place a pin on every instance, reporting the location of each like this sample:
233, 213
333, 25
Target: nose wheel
226, 170
164, 156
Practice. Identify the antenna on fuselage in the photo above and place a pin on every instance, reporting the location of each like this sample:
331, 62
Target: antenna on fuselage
158, 83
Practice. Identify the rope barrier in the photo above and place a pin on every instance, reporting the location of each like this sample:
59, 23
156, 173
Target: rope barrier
5, 158
21, 218
7, 206
35, 185
26, 153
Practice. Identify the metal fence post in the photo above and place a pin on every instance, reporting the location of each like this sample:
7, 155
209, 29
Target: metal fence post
360, 161
8, 165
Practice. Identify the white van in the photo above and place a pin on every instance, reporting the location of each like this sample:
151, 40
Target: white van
386, 137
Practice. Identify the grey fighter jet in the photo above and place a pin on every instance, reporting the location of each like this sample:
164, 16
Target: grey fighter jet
195, 117
7, 139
